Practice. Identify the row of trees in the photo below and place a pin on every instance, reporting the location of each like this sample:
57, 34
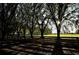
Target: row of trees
20, 18
34, 17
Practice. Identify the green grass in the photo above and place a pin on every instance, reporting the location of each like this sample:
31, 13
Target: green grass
55, 35
63, 35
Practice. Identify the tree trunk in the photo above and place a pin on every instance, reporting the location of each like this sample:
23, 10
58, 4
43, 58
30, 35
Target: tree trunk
13, 36
42, 36
3, 35
42, 33
7, 36
18, 35
2, 22
31, 34
58, 47
24, 33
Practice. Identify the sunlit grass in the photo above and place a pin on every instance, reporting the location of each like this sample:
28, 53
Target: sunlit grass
55, 35
63, 35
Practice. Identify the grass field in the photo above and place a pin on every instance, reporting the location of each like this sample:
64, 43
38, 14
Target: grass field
55, 35
63, 35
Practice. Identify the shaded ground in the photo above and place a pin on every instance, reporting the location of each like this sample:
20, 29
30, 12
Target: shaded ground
21, 47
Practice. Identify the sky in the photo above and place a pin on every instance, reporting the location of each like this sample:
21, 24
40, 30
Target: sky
70, 28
